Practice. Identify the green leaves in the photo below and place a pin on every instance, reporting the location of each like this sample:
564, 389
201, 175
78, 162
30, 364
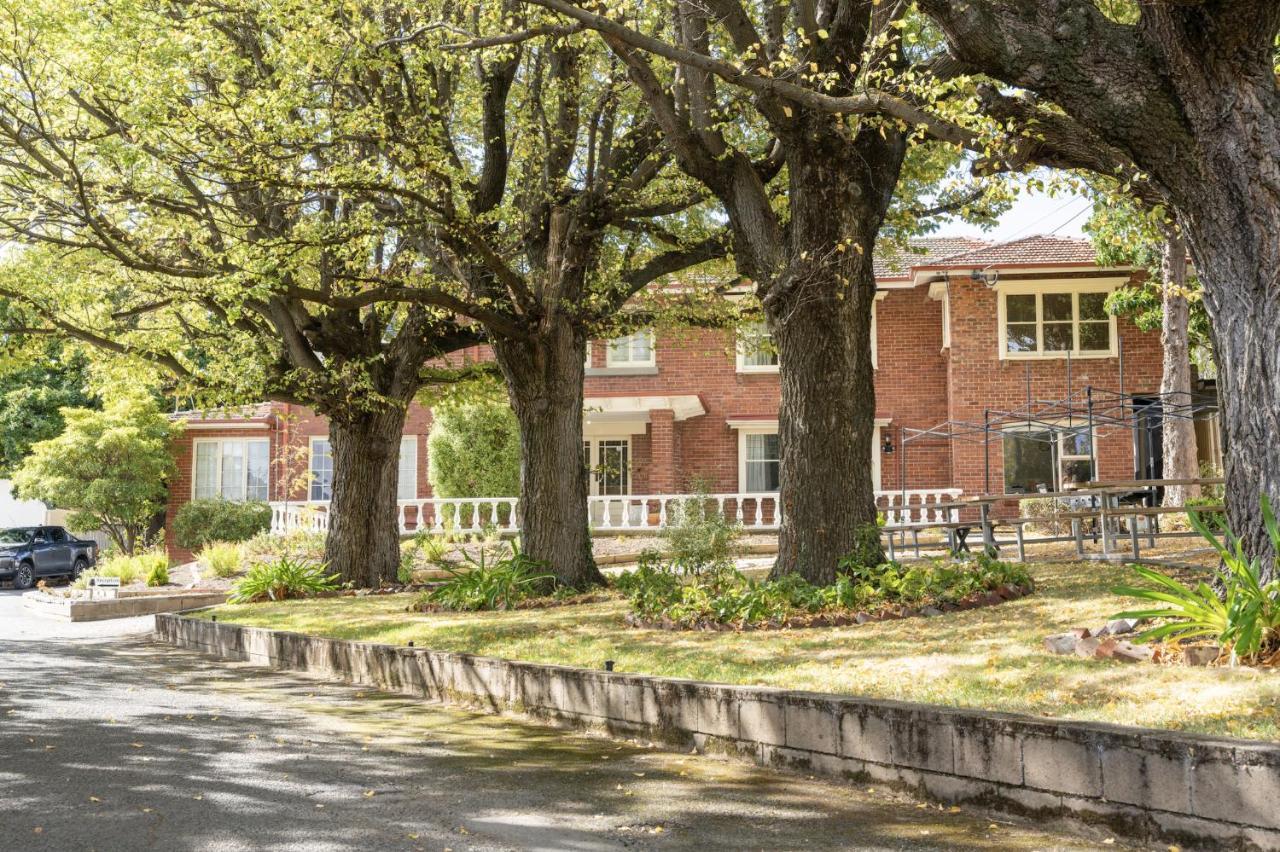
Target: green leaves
1244, 618
287, 577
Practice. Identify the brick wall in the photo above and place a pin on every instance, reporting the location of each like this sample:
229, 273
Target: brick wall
919, 385
978, 380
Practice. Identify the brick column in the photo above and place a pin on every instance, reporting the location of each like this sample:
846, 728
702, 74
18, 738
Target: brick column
662, 447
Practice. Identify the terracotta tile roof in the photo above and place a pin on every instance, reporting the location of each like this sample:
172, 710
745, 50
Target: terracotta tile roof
1045, 250
924, 251
257, 411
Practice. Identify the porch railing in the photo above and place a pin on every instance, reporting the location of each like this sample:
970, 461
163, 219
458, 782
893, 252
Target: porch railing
623, 513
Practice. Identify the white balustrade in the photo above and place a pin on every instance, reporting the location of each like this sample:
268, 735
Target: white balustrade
758, 511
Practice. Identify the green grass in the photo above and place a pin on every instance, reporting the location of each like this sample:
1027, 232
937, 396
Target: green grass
987, 658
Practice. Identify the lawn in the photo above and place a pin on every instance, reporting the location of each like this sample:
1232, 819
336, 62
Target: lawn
987, 658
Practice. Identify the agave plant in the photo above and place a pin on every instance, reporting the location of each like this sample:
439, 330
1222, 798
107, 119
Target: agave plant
489, 583
285, 578
1244, 618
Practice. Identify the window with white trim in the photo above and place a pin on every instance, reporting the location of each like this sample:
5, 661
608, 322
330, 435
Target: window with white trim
756, 352
321, 488
321, 470
761, 461
407, 481
1046, 458
233, 469
1055, 321
633, 350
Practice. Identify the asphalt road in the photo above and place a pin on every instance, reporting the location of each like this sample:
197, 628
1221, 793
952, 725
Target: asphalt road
109, 741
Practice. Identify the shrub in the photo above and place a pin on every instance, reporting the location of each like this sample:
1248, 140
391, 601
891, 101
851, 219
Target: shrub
131, 569
724, 595
1215, 522
299, 544
223, 558
283, 579
474, 451
202, 522
158, 575
489, 583
1244, 619
699, 536
1047, 514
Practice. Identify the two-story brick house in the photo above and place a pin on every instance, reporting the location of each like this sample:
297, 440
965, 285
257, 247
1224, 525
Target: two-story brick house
962, 327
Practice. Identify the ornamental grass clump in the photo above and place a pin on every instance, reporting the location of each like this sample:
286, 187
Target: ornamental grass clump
1242, 616
489, 581
287, 577
223, 558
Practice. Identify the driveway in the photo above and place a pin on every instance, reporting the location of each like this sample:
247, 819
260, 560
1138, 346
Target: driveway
109, 741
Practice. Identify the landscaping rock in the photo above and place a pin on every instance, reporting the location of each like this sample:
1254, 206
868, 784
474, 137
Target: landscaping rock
1061, 643
1200, 655
1127, 652
1080, 632
1117, 627
1087, 647
864, 617
1118, 649
930, 611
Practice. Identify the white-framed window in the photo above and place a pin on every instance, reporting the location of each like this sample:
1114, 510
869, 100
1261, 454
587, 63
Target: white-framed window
760, 456
633, 350
875, 334
321, 469
760, 460
232, 468
1054, 320
407, 481
756, 352
608, 463
1047, 457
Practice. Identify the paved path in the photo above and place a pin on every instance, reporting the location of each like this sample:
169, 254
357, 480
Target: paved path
109, 741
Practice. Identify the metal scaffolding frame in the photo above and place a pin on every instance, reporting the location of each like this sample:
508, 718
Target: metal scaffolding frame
1102, 411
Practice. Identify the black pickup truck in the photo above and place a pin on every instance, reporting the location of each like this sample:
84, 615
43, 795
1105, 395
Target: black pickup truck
31, 553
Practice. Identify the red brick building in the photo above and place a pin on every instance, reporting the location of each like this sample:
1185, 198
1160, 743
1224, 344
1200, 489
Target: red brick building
962, 328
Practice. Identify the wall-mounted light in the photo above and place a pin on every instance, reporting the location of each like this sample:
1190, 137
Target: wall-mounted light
887, 448
987, 276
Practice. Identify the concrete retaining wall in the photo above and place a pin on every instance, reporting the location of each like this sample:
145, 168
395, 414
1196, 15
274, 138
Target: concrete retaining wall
125, 606
1191, 790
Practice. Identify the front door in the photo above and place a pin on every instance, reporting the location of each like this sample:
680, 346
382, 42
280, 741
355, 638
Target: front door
608, 462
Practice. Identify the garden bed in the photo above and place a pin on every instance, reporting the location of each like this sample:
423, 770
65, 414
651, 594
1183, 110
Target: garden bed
844, 618
991, 657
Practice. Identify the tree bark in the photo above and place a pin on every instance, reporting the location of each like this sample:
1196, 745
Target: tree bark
1190, 95
1178, 432
819, 310
363, 544
544, 383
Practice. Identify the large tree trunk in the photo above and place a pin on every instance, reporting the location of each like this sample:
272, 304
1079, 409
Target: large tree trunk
1190, 96
1178, 431
363, 544
819, 310
544, 383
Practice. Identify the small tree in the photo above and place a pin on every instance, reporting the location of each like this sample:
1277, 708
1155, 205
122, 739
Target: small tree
475, 451
110, 468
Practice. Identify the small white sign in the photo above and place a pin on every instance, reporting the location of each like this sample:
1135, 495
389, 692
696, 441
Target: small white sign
104, 588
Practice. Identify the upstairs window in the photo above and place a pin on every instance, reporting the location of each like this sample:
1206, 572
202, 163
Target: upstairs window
232, 469
756, 352
633, 350
1056, 322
